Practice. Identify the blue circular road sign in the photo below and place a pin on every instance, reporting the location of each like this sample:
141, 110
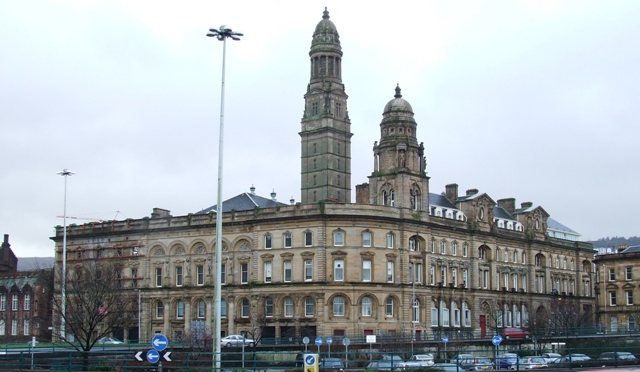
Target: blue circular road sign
153, 356
310, 360
318, 341
159, 342
496, 340
329, 340
445, 339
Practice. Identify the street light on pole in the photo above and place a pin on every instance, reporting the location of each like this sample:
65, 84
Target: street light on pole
221, 34
65, 173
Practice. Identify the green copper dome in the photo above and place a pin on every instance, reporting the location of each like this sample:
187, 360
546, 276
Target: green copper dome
398, 103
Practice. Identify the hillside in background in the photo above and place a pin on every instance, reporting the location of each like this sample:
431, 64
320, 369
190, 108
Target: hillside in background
34, 263
615, 241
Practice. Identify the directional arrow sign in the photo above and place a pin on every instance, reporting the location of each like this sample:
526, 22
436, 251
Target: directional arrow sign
153, 356
166, 356
138, 358
159, 342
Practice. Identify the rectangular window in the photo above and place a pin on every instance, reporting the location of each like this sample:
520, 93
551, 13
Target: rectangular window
223, 274
338, 270
3, 302
338, 238
26, 327
629, 297
366, 239
309, 307
390, 272
464, 250
267, 272
223, 308
287, 240
612, 275
134, 275
159, 310
366, 270
454, 249
179, 276
288, 307
465, 278
287, 271
244, 273
433, 246
443, 247
200, 275
523, 282
158, 277
27, 301
505, 280
2, 327
454, 277
389, 240
14, 302
628, 272
456, 317
485, 279
612, 298
389, 307
467, 317
308, 239
308, 270
445, 317
14, 327
268, 241
180, 310
417, 272
443, 275
268, 307
432, 275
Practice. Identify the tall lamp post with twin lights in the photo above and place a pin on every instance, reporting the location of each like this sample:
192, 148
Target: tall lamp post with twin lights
65, 173
222, 34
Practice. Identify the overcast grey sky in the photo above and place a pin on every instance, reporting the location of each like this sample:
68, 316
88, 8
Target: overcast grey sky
536, 100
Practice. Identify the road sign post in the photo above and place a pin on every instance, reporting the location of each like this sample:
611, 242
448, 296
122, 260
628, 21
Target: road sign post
305, 341
346, 341
371, 339
318, 342
496, 340
329, 342
445, 339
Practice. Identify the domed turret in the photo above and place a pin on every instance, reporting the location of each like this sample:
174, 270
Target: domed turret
326, 32
398, 103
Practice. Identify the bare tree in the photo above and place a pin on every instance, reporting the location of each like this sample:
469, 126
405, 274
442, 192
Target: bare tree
566, 315
96, 304
540, 328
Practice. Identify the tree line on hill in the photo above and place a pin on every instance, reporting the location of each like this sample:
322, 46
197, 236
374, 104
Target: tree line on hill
614, 242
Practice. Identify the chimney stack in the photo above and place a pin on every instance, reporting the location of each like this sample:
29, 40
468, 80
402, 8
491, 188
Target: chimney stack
509, 204
451, 191
525, 205
472, 192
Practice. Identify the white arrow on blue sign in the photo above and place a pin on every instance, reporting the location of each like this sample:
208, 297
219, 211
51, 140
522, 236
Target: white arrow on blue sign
496, 340
159, 342
311, 360
153, 356
329, 340
318, 341
445, 339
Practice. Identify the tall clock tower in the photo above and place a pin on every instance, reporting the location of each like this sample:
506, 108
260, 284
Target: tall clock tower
326, 129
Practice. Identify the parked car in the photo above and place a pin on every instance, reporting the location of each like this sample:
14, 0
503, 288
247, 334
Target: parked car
571, 360
236, 340
109, 341
618, 357
476, 364
551, 357
335, 364
385, 366
506, 360
530, 362
422, 360
514, 333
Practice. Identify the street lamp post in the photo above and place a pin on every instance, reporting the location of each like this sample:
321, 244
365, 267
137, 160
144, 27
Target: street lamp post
221, 34
65, 173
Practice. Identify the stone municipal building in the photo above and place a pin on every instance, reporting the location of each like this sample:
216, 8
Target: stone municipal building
401, 260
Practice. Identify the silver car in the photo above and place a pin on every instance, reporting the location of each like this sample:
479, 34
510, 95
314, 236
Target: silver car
235, 341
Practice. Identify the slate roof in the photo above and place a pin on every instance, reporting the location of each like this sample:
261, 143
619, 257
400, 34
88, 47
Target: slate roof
555, 225
441, 201
632, 249
499, 212
20, 280
243, 202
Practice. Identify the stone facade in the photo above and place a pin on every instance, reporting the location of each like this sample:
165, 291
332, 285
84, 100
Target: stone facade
399, 260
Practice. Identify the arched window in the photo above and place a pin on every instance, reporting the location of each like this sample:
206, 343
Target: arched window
389, 307
288, 307
179, 309
245, 308
412, 244
392, 198
201, 309
159, 310
366, 306
338, 306
385, 199
434, 314
390, 239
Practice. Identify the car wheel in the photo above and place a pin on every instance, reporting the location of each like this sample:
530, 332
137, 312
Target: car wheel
227, 344
251, 344
507, 337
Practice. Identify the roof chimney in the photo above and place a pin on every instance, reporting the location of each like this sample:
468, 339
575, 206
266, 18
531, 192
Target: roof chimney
472, 192
525, 205
253, 190
159, 213
451, 191
509, 204
273, 195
